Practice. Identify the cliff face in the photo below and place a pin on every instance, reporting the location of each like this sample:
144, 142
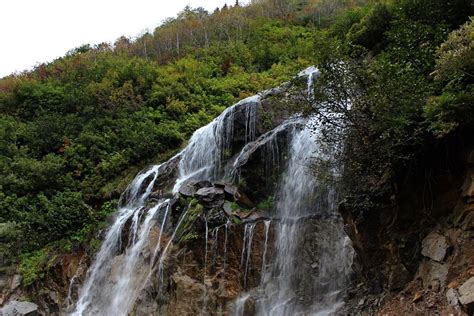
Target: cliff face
416, 253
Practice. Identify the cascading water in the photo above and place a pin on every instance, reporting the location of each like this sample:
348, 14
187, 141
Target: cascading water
247, 250
311, 73
203, 158
265, 248
141, 239
99, 291
296, 199
115, 279
293, 286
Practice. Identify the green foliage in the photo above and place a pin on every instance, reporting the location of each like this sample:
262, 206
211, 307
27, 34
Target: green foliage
234, 205
369, 31
385, 64
267, 204
454, 70
32, 266
445, 112
347, 20
453, 12
455, 62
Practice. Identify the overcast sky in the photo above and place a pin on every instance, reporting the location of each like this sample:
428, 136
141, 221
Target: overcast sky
33, 31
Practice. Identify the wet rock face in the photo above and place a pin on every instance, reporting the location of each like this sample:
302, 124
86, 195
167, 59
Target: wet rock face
260, 164
187, 190
205, 278
209, 264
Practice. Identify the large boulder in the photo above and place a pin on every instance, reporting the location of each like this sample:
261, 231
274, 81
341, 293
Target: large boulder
435, 246
187, 190
452, 297
230, 192
210, 197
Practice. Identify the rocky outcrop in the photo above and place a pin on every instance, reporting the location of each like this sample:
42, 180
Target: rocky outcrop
416, 254
61, 280
16, 308
205, 264
259, 164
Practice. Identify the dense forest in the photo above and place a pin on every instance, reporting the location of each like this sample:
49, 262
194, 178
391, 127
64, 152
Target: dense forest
75, 131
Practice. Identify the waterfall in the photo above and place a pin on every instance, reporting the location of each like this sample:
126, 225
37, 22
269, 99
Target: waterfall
303, 271
296, 198
246, 251
120, 271
293, 287
311, 73
226, 237
265, 248
203, 158
312, 257
99, 289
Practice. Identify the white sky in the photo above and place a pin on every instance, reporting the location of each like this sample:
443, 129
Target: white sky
33, 31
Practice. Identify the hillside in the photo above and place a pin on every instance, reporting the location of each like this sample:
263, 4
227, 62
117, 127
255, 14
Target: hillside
395, 89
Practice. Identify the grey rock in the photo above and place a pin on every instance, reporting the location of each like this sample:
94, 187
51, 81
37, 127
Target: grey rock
435, 246
452, 297
187, 190
16, 282
230, 192
17, 308
431, 270
466, 294
209, 193
210, 197
204, 184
